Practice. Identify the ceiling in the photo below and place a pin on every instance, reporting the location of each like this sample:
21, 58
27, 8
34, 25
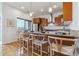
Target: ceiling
36, 7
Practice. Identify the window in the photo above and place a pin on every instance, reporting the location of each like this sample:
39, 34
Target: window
26, 25
23, 24
20, 24
34, 27
30, 25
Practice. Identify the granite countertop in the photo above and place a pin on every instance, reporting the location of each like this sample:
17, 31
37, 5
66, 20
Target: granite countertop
72, 35
68, 35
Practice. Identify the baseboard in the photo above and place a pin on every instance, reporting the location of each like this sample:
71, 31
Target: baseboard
10, 42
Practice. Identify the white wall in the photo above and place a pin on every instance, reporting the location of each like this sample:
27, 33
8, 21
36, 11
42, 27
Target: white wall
75, 16
9, 33
0, 29
0, 22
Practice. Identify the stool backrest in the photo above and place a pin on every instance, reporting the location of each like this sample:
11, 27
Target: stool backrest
38, 37
60, 41
26, 34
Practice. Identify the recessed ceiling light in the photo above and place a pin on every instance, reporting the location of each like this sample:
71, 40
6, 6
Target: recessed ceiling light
50, 9
41, 10
22, 7
54, 6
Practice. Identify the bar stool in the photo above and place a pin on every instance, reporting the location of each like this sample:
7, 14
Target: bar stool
27, 43
23, 43
19, 50
38, 43
63, 46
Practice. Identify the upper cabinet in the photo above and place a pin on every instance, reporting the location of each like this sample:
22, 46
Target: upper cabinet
36, 20
40, 20
44, 20
67, 11
59, 20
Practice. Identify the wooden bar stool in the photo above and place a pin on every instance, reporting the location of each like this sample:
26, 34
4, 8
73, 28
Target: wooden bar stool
62, 46
23, 43
38, 43
27, 39
20, 44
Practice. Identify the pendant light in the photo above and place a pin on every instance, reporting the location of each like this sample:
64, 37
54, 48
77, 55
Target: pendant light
50, 8
50, 12
30, 12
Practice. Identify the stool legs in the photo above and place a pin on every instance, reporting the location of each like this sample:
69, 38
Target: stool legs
41, 50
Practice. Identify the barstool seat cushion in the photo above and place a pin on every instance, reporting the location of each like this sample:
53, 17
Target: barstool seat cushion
38, 42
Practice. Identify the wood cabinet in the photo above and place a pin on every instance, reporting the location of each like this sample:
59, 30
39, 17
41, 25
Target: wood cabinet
58, 20
67, 11
40, 20
36, 20
44, 21
61, 16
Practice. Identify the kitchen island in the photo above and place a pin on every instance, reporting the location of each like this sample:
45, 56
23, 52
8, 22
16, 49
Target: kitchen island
57, 35
66, 39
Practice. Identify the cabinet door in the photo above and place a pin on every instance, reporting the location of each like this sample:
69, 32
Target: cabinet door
58, 20
67, 11
44, 20
36, 20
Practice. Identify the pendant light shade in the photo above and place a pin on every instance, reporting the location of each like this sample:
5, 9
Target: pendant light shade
50, 9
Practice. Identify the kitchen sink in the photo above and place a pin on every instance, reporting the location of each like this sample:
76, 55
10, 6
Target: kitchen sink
61, 33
